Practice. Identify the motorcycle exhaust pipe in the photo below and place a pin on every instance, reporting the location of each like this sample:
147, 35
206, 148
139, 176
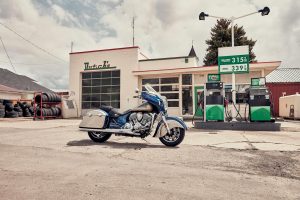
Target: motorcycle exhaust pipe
126, 132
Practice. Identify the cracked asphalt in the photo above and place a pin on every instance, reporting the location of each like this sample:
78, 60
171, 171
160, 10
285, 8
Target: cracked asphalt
53, 160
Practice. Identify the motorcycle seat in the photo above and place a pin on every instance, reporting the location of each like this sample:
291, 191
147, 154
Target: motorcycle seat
113, 112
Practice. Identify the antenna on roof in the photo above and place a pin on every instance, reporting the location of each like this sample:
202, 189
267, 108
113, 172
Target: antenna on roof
133, 19
72, 43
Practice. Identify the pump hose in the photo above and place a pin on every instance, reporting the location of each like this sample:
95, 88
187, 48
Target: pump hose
272, 105
245, 112
195, 114
238, 112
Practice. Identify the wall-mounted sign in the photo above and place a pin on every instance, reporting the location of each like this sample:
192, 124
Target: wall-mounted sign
258, 81
213, 77
105, 65
233, 60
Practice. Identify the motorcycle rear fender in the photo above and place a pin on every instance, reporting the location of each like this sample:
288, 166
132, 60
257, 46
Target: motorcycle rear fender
173, 122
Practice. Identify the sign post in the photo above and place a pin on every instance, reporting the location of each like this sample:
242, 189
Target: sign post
233, 60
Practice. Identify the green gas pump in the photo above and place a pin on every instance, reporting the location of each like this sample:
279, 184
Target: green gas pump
259, 101
214, 101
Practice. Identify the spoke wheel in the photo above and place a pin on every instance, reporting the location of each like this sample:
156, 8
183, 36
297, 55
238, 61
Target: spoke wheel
175, 137
99, 136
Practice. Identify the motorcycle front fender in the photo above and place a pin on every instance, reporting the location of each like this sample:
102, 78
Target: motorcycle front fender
173, 122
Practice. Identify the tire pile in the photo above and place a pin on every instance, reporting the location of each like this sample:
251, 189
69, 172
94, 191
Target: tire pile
46, 105
9, 110
47, 98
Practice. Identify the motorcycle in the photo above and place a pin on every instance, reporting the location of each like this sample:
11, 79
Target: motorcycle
149, 118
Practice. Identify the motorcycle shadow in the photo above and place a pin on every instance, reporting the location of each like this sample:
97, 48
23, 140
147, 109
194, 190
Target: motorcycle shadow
117, 145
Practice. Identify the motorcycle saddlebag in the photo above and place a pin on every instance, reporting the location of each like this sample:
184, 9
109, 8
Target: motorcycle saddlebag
96, 119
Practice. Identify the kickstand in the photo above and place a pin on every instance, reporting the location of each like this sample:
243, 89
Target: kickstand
145, 140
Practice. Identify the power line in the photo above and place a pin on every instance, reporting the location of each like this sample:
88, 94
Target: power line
8, 55
17, 63
33, 44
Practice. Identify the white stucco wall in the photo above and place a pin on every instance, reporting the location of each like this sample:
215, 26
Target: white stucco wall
9, 95
125, 59
172, 63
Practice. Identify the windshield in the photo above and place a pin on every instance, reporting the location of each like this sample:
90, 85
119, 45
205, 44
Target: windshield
150, 89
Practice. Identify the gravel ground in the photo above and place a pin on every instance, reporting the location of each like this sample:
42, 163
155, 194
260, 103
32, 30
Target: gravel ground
53, 160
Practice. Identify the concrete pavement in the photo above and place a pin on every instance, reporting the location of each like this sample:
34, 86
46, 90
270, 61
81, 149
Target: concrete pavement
53, 160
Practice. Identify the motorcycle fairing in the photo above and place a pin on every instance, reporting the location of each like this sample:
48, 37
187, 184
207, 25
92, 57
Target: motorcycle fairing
154, 100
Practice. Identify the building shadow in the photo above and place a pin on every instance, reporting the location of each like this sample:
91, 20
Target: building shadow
118, 145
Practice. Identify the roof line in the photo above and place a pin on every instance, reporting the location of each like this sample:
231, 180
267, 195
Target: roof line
113, 49
195, 67
144, 55
166, 58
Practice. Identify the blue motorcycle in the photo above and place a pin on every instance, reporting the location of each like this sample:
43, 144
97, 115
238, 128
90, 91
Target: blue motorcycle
149, 118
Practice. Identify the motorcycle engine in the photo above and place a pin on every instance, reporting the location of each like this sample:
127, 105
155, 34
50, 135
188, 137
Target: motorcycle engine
139, 121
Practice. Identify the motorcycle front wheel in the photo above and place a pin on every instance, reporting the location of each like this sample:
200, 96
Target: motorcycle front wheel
99, 137
175, 137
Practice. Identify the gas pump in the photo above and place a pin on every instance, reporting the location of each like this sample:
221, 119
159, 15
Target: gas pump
259, 101
214, 93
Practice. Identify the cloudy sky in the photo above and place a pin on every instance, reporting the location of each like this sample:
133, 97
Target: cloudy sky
163, 28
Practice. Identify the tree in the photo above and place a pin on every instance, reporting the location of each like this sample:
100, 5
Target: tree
221, 37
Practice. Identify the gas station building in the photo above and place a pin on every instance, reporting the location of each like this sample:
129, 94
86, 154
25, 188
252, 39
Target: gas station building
110, 77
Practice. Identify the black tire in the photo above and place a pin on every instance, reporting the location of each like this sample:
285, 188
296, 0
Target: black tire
11, 114
49, 97
31, 110
26, 113
58, 98
6, 101
99, 137
54, 111
20, 114
9, 107
174, 138
58, 111
40, 97
54, 97
2, 112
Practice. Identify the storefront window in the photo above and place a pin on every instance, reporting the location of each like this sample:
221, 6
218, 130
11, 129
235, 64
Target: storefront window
168, 87
187, 100
169, 80
150, 81
187, 94
100, 88
186, 79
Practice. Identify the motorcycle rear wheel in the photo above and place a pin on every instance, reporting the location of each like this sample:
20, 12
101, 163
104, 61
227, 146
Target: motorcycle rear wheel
175, 137
99, 137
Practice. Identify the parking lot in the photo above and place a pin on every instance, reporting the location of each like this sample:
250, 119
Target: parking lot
53, 160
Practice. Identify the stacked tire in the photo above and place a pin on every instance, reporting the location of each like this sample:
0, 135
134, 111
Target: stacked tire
2, 109
47, 105
10, 111
49, 112
19, 110
27, 109
48, 98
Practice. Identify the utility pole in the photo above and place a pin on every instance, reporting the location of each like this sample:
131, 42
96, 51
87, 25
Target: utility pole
133, 19
72, 46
